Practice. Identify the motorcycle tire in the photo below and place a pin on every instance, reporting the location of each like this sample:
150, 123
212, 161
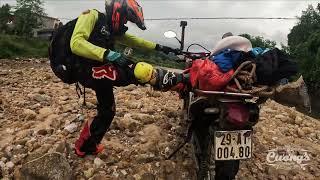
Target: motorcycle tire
207, 167
202, 145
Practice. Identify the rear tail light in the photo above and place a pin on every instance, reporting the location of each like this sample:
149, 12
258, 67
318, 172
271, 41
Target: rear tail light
237, 114
242, 115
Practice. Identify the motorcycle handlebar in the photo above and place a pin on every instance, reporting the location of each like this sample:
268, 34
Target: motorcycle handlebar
193, 55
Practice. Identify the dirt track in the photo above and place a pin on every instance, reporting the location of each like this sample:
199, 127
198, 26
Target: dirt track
39, 114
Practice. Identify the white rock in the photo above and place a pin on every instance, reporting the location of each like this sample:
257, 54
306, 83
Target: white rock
49, 166
153, 135
318, 136
29, 114
130, 87
309, 124
269, 110
133, 104
3, 159
67, 108
280, 116
80, 117
98, 162
71, 128
167, 150
18, 146
2, 164
137, 176
89, 105
64, 98
127, 123
143, 140
35, 106
307, 130
151, 155
9, 131
124, 172
115, 174
298, 120
145, 118
53, 120
45, 112
300, 132
9, 165
88, 173
40, 98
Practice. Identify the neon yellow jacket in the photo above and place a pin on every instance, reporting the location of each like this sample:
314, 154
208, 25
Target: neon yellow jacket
80, 45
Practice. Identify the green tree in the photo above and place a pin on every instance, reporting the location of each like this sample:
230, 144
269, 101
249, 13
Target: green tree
4, 18
28, 16
308, 54
308, 23
304, 44
258, 41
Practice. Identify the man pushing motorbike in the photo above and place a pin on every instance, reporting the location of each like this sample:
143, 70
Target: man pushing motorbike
83, 51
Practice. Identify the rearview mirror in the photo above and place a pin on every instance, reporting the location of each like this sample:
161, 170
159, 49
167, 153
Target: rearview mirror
170, 34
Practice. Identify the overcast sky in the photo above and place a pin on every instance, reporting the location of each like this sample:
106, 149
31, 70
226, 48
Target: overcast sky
206, 32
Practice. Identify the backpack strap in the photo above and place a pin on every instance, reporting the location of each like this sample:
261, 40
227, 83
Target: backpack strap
79, 92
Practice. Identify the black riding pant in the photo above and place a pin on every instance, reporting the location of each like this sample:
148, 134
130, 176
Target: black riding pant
101, 78
103, 87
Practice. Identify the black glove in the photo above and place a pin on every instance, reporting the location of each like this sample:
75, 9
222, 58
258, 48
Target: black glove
167, 50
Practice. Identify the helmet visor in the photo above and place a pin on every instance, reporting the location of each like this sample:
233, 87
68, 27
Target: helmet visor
135, 14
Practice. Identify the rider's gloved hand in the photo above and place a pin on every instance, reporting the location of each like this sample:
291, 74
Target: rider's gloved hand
115, 57
167, 50
165, 80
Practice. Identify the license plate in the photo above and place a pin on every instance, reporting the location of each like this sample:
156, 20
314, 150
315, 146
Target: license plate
232, 145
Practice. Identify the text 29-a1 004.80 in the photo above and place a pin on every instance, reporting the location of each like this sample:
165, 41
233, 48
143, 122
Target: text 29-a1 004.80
232, 145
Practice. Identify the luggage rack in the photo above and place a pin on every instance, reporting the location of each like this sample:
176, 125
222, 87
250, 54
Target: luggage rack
224, 96
221, 93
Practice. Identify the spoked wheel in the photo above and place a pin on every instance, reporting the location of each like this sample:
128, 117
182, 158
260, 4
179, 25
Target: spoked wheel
212, 166
203, 154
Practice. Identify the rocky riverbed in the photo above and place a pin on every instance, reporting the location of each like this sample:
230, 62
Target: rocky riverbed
40, 118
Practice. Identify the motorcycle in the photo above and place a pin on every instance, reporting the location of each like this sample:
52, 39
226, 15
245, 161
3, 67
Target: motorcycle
220, 139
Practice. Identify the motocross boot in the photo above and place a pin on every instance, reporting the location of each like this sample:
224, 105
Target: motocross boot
86, 143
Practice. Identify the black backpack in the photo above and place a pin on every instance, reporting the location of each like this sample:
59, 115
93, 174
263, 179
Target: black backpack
63, 62
67, 66
60, 55
274, 65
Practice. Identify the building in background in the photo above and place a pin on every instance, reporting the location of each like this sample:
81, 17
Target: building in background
49, 25
45, 31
